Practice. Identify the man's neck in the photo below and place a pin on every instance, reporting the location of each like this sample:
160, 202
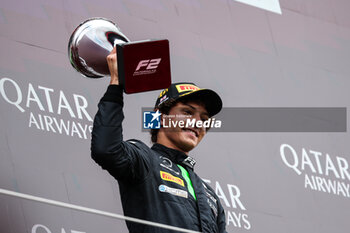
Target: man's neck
163, 141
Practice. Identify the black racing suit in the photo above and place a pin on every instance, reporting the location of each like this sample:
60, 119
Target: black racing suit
150, 182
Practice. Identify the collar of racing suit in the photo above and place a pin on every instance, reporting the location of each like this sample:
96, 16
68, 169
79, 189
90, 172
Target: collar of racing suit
176, 156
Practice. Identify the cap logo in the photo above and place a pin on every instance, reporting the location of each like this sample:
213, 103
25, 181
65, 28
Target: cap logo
164, 98
186, 87
162, 93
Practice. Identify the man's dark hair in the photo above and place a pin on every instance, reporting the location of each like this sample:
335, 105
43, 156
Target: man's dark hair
165, 107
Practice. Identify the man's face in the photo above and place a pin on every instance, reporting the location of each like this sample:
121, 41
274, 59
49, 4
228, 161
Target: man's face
187, 137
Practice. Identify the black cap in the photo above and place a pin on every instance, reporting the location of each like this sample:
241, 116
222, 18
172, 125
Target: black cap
211, 100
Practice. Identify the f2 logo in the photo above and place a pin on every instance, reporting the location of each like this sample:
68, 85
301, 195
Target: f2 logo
151, 64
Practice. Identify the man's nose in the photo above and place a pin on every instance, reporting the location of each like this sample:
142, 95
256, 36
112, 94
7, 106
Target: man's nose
197, 117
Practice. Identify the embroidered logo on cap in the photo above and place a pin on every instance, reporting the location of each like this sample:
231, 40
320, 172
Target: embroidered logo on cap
186, 87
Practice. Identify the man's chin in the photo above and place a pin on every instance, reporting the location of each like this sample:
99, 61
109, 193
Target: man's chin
188, 145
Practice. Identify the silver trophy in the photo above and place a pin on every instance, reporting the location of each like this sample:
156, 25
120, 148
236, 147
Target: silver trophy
90, 44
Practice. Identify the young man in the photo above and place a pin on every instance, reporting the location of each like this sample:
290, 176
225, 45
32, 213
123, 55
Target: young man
158, 184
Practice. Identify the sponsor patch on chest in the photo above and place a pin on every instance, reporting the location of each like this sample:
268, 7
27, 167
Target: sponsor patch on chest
168, 177
177, 192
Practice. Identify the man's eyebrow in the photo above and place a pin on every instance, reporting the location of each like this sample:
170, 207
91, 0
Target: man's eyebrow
188, 105
205, 113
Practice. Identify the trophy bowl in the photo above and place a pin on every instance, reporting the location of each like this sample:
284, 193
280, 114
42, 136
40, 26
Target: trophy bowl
90, 44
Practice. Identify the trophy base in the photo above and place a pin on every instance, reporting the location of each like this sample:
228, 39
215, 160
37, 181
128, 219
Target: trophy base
144, 65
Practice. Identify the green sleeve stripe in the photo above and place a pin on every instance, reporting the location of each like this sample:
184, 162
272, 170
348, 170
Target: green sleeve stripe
186, 176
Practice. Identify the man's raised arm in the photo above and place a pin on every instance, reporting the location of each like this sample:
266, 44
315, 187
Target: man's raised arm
122, 160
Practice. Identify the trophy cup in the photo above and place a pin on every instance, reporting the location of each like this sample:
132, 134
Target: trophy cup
142, 65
